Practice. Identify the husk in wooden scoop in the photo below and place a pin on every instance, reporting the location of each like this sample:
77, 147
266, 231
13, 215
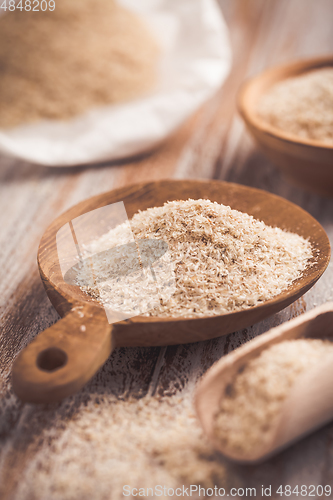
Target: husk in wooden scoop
309, 403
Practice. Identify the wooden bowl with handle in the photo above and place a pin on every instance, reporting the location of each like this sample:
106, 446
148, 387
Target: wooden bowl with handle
305, 162
64, 357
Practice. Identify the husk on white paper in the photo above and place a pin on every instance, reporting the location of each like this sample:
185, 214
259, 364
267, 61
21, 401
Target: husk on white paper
195, 60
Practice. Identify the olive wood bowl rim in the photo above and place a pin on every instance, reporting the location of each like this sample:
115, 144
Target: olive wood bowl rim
70, 302
296, 68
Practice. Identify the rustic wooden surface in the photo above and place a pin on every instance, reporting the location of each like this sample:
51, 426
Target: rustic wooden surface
133, 423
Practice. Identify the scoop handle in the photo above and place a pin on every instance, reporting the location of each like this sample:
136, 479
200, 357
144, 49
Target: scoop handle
62, 358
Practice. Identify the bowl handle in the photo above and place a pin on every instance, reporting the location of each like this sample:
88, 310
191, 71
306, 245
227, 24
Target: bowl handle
62, 358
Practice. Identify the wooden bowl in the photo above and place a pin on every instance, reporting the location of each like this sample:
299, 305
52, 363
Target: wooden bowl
306, 163
65, 356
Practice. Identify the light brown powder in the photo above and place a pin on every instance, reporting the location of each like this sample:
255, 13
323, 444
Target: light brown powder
302, 106
141, 443
224, 260
83, 54
251, 405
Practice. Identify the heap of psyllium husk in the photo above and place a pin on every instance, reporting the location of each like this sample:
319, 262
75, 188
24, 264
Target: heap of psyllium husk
109, 443
81, 54
223, 260
251, 405
302, 106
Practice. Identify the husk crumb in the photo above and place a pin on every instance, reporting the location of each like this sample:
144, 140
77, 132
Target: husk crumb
250, 408
224, 260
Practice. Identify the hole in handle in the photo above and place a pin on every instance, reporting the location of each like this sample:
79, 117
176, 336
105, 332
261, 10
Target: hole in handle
51, 359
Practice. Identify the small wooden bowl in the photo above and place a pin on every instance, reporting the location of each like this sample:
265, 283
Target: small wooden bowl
309, 404
307, 163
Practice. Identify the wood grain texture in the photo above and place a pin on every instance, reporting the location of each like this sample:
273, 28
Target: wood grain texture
64, 357
72, 450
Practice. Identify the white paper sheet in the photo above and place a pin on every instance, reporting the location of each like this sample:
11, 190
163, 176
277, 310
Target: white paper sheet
195, 60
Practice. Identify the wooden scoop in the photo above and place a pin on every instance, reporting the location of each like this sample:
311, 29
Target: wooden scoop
309, 403
65, 356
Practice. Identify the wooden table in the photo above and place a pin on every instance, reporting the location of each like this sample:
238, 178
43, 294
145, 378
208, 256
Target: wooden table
133, 424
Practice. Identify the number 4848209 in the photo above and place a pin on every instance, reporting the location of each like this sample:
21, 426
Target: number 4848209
305, 491
33, 5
